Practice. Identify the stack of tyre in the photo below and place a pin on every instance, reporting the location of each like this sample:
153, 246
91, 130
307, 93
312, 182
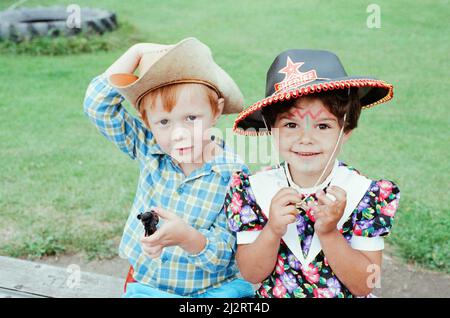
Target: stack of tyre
27, 23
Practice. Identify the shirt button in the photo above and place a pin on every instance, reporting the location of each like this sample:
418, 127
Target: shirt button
180, 190
225, 179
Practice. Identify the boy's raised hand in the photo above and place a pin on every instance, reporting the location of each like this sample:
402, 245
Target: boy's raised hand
142, 48
129, 61
173, 231
282, 211
329, 212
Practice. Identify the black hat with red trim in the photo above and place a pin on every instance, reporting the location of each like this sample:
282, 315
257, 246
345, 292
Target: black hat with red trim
297, 73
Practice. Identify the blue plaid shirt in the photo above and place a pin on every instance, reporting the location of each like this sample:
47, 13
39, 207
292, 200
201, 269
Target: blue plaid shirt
198, 199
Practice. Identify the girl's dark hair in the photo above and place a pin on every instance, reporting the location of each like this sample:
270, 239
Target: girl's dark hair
338, 102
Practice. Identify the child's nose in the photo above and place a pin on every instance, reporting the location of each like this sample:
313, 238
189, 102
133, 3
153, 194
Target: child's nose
180, 133
306, 136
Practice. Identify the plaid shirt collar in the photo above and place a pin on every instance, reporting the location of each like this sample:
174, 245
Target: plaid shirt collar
221, 164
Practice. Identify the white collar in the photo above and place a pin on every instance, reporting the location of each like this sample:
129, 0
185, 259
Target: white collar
266, 184
312, 189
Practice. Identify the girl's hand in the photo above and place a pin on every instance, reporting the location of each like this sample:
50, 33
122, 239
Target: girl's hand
329, 212
283, 211
174, 231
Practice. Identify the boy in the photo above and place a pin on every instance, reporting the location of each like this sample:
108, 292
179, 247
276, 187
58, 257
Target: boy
184, 172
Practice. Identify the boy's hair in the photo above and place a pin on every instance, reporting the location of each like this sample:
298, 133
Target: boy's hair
169, 96
338, 102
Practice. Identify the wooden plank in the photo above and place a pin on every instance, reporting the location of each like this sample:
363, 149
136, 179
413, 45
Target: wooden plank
50, 281
8, 293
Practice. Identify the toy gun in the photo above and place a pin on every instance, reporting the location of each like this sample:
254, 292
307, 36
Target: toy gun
149, 219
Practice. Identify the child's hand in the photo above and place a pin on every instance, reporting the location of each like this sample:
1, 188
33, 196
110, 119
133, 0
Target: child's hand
283, 211
142, 48
329, 212
174, 231
129, 61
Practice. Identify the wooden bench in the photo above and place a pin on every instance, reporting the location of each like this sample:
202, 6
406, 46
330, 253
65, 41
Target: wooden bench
25, 279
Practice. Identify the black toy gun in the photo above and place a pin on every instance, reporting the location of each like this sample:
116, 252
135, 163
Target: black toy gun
149, 219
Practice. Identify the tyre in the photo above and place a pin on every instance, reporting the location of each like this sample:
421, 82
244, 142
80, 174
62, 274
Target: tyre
27, 23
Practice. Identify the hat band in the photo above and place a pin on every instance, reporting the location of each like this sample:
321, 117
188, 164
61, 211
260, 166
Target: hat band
184, 81
294, 84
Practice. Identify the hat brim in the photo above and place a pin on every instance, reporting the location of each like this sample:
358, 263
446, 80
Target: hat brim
189, 61
371, 92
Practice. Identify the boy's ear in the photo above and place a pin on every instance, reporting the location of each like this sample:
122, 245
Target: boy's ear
220, 105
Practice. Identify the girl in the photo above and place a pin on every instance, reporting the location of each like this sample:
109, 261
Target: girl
311, 226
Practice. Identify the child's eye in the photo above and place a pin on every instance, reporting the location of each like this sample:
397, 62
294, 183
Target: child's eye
191, 118
164, 122
291, 125
323, 126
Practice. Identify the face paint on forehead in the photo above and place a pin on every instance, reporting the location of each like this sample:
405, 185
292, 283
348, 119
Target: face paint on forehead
302, 114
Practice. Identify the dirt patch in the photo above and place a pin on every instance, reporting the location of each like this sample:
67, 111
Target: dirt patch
410, 281
398, 279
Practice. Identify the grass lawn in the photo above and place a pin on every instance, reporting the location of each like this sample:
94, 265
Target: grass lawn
64, 188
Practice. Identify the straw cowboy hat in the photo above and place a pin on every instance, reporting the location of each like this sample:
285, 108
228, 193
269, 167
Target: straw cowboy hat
297, 73
188, 61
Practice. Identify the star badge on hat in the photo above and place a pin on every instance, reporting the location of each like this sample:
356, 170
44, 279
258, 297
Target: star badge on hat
293, 76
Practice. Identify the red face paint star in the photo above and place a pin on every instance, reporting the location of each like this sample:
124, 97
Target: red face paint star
291, 69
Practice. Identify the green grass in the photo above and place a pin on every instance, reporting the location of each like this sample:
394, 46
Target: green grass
85, 42
64, 188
